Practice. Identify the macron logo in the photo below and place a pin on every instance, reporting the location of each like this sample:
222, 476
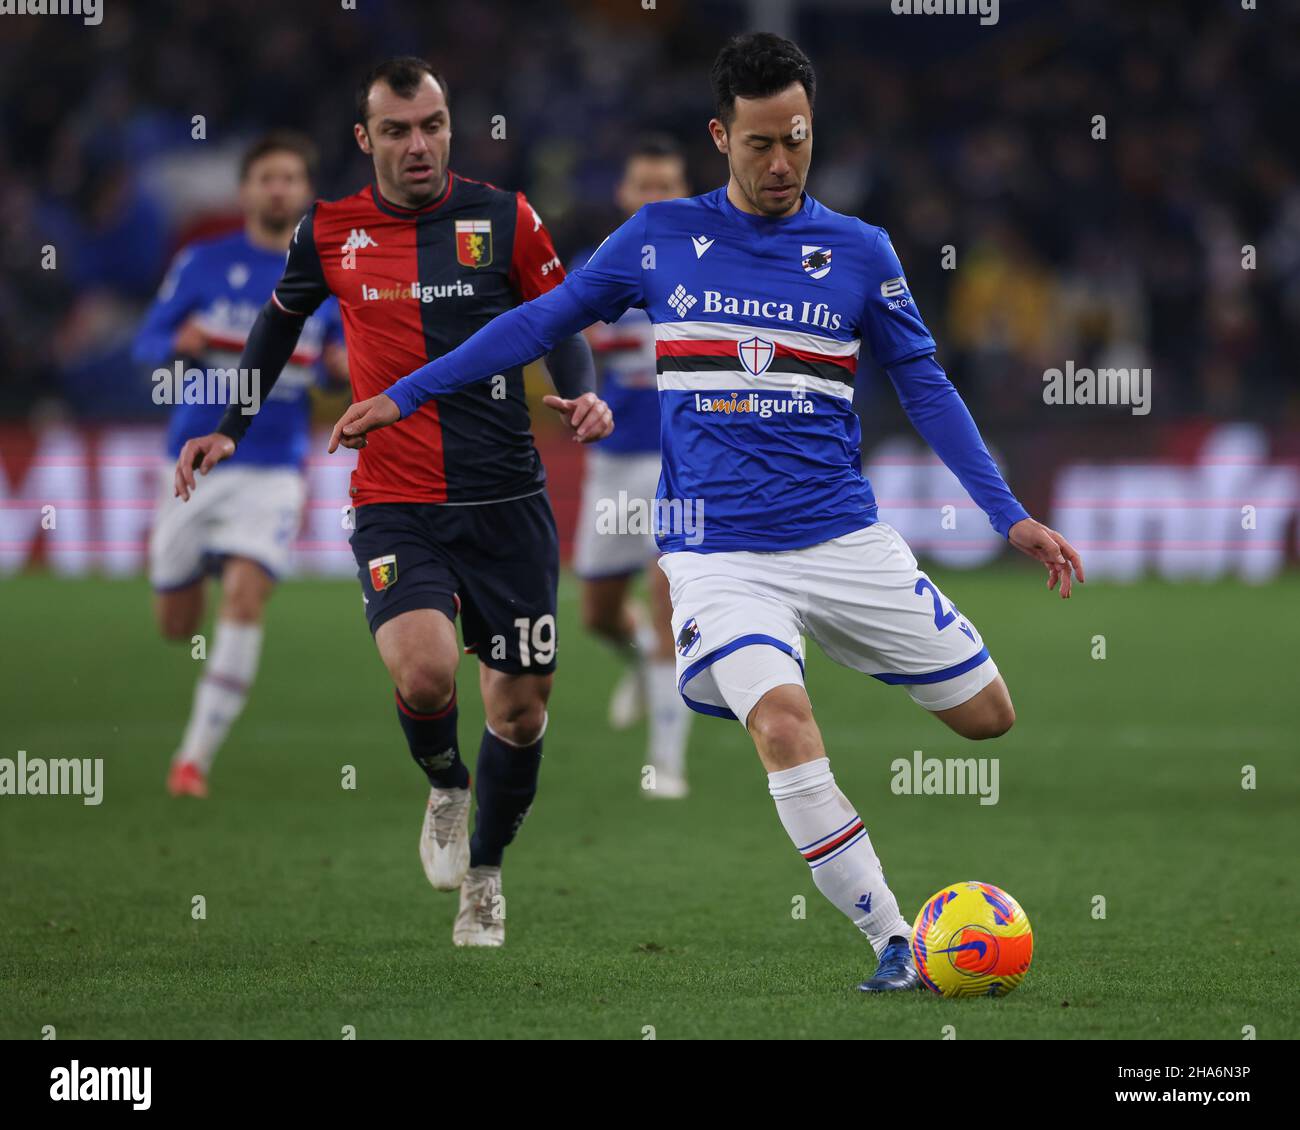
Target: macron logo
701, 243
357, 239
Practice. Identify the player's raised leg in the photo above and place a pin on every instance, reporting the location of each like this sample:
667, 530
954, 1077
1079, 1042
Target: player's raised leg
419, 649
871, 608
988, 714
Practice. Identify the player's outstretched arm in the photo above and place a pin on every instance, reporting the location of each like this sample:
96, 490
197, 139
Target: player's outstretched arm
588, 416
607, 285
514, 338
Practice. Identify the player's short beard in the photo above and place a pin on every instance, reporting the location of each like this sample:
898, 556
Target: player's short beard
756, 199
419, 197
753, 191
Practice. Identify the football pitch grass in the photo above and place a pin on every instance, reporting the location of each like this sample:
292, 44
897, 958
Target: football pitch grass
1122, 780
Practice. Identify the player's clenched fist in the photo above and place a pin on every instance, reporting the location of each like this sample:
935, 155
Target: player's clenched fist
588, 416
365, 416
203, 453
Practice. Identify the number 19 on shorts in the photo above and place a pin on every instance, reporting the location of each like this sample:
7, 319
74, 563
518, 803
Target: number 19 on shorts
536, 640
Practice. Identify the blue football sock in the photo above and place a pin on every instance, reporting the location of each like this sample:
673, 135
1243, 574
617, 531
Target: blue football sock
432, 738
505, 784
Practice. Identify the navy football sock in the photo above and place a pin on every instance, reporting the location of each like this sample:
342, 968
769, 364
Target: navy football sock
432, 738
505, 784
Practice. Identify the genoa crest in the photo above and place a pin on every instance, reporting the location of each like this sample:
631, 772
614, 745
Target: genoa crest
383, 572
473, 243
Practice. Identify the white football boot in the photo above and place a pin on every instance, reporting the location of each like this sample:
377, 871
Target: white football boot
444, 839
481, 919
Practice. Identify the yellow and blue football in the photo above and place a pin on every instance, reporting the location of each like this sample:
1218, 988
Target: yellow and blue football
972, 940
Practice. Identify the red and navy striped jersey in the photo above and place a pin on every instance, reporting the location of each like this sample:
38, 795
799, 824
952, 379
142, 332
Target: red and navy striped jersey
412, 284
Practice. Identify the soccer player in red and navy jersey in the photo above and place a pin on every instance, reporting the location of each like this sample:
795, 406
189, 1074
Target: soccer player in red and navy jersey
452, 517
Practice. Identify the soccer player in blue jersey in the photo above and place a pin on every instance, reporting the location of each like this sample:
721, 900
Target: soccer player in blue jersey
241, 524
761, 299
615, 533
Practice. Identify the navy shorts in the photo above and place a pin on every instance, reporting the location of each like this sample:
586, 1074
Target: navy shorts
496, 564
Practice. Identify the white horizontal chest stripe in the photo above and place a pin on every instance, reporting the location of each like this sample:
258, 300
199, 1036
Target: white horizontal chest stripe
721, 331
741, 381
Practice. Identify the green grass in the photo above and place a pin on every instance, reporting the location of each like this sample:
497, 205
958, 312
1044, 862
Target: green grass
1121, 779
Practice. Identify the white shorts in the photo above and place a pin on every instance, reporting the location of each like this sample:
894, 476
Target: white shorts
615, 535
738, 619
252, 512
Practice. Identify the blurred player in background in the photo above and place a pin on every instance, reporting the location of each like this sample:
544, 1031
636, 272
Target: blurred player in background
452, 517
615, 535
241, 525
762, 299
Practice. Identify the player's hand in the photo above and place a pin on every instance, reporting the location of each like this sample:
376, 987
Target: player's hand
588, 416
366, 416
200, 454
190, 340
1047, 546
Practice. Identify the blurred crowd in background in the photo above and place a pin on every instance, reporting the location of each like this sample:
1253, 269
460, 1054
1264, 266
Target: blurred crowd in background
1124, 251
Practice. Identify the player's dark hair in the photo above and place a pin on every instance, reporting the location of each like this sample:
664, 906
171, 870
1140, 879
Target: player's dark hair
656, 146
758, 65
281, 141
403, 75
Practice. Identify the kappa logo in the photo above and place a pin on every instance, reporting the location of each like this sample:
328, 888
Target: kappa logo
701, 243
357, 239
681, 301
436, 762
237, 275
383, 572
816, 260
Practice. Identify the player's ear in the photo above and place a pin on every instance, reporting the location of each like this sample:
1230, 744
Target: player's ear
719, 134
363, 138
